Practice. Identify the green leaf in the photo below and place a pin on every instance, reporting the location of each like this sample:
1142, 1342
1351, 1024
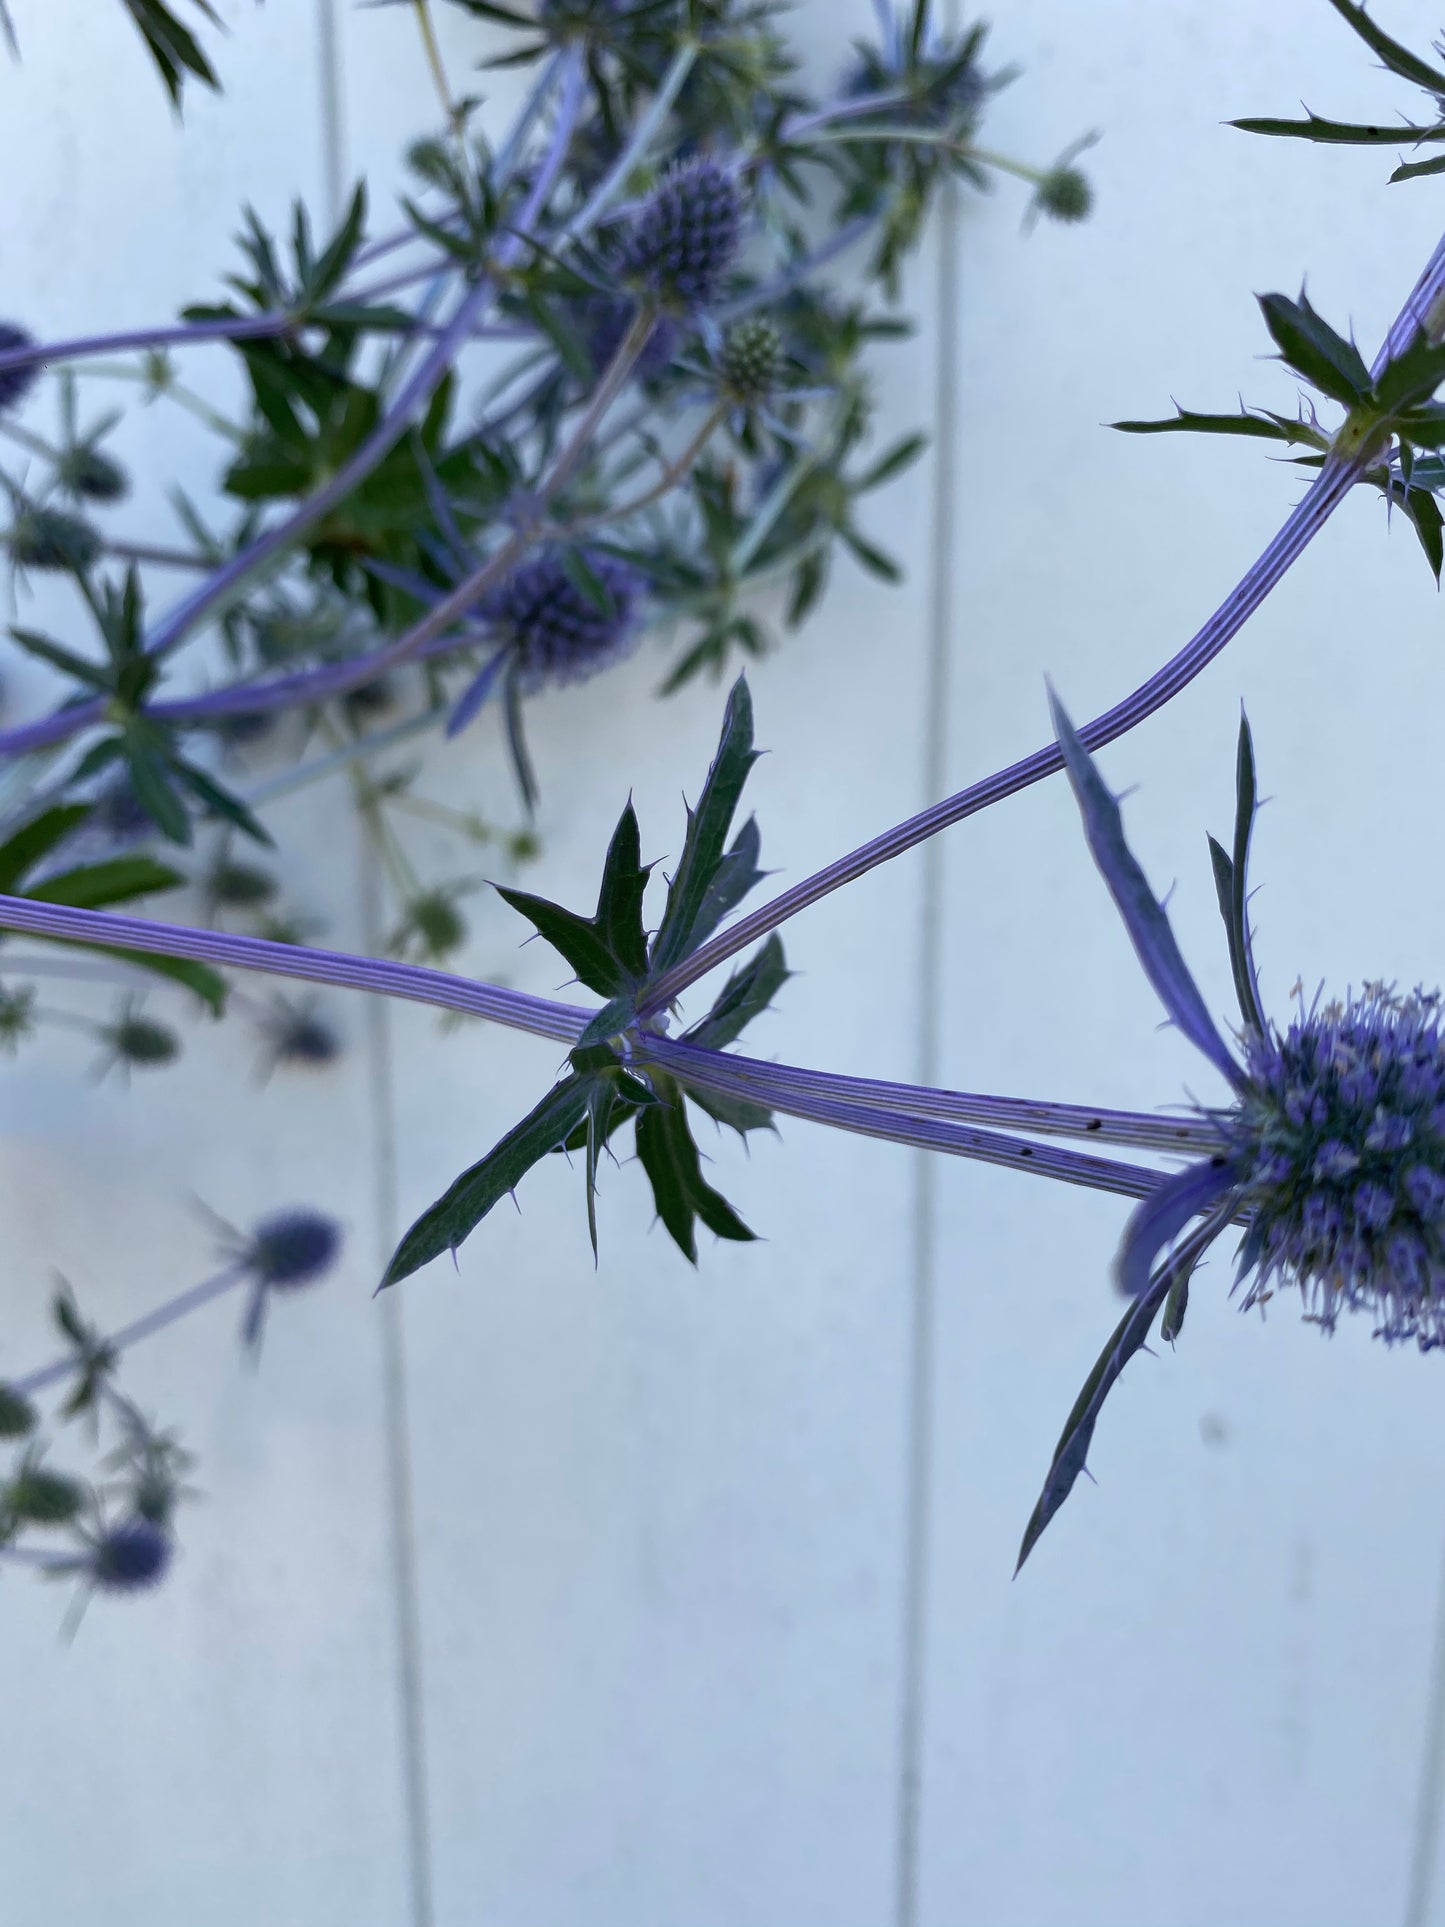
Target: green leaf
613, 1018
1424, 514
1397, 58
608, 950
1413, 170
172, 46
207, 984
1411, 377
94, 885
738, 1113
154, 790
1344, 133
34, 644
1313, 349
21, 852
745, 995
1273, 428
461, 1209
872, 558
619, 901
707, 828
221, 802
902, 455
669, 1156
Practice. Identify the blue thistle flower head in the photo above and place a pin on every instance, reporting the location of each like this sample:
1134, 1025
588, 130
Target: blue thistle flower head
555, 631
15, 383
292, 1248
1340, 1141
1332, 1152
684, 238
130, 1557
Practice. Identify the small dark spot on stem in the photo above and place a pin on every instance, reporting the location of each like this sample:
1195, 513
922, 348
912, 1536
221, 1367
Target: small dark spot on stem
1094, 1124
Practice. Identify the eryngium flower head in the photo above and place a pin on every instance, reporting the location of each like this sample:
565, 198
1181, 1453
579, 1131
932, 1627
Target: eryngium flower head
292, 1248
46, 538
130, 1557
1065, 195
558, 633
1340, 1140
751, 363
91, 474
15, 383
683, 240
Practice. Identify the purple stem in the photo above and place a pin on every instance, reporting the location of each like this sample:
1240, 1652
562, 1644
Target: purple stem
562, 1022
713, 1072
413, 397
334, 679
1331, 485
756, 1078
152, 1321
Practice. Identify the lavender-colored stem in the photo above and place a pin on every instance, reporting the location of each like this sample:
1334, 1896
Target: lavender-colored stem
561, 1022
1329, 489
414, 395
1331, 485
933, 1134
765, 1082
335, 679
153, 1321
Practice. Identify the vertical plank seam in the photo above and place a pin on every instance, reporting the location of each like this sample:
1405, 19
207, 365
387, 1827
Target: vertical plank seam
381, 1098
920, 1388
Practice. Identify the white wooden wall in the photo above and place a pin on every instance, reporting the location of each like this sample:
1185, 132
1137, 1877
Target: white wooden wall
702, 1613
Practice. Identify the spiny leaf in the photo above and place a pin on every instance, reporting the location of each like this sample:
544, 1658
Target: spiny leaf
1072, 1449
457, 1213
748, 992
1343, 133
1144, 916
619, 901
707, 828
669, 1156
1313, 349
1397, 58
1263, 427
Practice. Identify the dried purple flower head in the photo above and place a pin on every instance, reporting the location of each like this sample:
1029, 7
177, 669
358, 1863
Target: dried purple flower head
683, 239
292, 1248
556, 632
608, 321
130, 1557
15, 383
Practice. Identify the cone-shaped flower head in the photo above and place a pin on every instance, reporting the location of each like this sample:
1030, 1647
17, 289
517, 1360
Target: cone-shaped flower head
559, 631
292, 1248
683, 239
1333, 1151
130, 1557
